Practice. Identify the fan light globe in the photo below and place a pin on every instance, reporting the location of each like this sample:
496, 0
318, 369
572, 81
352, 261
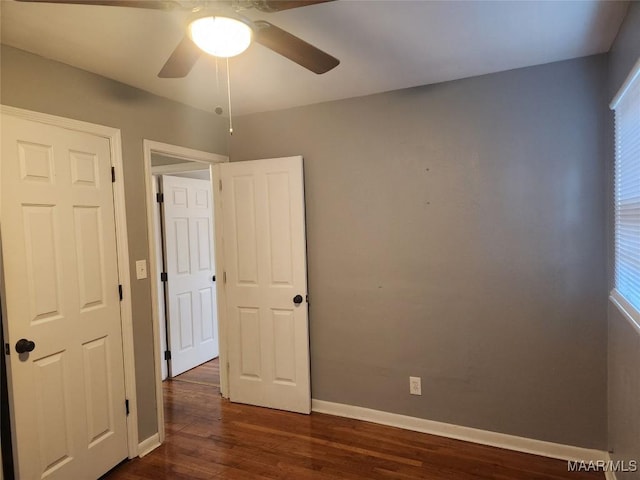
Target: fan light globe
220, 36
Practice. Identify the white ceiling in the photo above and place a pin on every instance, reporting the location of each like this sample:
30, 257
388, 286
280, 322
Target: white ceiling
382, 44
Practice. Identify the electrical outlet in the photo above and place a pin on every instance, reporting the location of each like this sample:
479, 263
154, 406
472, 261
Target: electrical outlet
415, 386
141, 269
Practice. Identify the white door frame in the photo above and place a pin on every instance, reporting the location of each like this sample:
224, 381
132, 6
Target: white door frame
126, 316
210, 159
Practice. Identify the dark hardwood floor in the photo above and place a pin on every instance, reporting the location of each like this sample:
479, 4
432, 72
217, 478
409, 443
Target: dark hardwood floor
206, 374
211, 438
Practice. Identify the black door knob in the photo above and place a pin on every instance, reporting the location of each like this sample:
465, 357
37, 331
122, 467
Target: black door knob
297, 299
213, 278
24, 346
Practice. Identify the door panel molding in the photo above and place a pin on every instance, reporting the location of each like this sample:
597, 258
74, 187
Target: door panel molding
210, 160
115, 145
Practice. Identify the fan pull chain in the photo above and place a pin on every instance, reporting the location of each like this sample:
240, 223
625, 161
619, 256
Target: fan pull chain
229, 98
217, 79
218, 108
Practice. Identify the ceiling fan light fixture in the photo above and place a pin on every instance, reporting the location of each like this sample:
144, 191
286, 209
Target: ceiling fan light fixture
220, 36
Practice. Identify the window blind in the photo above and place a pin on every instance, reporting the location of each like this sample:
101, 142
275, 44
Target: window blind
627, 189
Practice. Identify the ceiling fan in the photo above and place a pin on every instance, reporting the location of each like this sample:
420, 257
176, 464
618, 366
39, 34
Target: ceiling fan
234, 31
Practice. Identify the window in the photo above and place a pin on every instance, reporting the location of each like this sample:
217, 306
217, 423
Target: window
627, 194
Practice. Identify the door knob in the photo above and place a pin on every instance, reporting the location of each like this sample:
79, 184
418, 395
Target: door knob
25, 346
297, 299
213, 278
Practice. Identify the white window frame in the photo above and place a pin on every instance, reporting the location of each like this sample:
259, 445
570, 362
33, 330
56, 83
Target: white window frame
631, 312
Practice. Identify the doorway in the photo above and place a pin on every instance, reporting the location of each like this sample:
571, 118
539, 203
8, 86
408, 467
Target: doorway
262, 317
165, 162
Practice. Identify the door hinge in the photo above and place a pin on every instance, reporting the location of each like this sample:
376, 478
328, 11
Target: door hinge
126, 406
160, 197
7, 349
120, 292
167, 355
224, 277
113, 174
164, 277
220, 185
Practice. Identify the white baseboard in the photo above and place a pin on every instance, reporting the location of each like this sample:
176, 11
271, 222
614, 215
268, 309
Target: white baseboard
474, 435
148, 445
610, 475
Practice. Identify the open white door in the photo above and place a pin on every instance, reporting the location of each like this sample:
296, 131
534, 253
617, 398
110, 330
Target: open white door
190, 264
266, 283
63, 309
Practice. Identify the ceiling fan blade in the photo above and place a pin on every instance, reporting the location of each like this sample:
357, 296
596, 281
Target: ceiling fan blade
151, 4
293, 48
182, 60
270, 6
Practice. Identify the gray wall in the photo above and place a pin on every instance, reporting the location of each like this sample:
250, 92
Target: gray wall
457, 232
624, 391
624, 340
42, 85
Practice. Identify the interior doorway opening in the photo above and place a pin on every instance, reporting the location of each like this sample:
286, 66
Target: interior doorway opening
181, 242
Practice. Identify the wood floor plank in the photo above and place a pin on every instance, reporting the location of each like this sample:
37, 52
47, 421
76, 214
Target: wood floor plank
208, 437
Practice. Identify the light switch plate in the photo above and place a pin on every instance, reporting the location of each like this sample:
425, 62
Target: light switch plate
141, 269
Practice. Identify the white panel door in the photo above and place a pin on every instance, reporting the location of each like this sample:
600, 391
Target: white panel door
61, 285
190, 267
265, 263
